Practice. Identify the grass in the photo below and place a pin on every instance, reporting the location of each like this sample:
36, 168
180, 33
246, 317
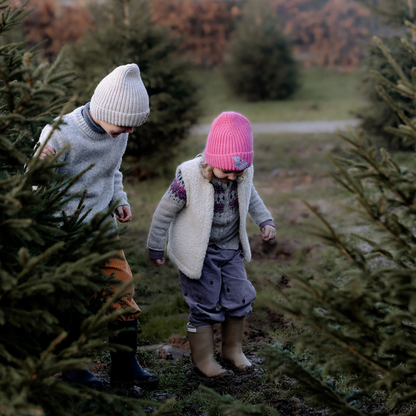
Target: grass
289, 168
324, 95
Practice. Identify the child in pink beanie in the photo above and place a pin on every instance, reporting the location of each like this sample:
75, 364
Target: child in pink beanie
203, 216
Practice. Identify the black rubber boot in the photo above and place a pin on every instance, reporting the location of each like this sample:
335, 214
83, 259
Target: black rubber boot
124, 365
79, 375
82, 377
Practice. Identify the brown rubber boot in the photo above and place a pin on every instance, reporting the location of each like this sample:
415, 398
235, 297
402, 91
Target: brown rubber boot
201, 341
232, 339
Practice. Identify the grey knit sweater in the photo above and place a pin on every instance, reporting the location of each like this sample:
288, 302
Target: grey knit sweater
225, 225
104, 180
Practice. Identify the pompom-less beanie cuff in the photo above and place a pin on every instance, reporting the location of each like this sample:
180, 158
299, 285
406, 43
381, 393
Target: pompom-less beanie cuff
235, 161
230, 142
118, 118
121, 98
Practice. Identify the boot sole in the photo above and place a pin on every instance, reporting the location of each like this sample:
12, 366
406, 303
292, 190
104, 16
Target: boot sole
229, 364
226, 376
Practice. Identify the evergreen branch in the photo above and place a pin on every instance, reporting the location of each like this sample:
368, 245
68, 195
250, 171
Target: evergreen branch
45, 354
17, 223
351, 349
400, 88
324, 302
118, 294
10, 20
341, 182
335, 239
383, 224
379, 174
67, 184
410, 48
402, 130
9, 96
363, 201
313, 386
281, 293
348, 181
39, 259
392, 62
393, 105
410, 25
390, 161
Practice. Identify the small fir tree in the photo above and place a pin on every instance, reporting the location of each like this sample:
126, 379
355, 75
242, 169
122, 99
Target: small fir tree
361, 327
377, 114
49, 262
124, 33
259, 63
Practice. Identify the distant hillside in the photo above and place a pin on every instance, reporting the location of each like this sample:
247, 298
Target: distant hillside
328, 33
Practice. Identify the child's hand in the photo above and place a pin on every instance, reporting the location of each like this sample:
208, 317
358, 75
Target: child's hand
158, 262
47, 152
268, 232
123, 213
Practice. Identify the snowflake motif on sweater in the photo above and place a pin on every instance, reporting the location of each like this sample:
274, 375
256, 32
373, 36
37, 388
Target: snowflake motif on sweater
219, 197
177, 189
177, 192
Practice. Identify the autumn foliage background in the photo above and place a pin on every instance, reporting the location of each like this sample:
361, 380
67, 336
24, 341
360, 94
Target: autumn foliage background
326, 33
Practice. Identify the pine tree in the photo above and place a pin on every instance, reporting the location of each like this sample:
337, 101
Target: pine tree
361, 327
125, 33
259, 63
49, 262
377, 114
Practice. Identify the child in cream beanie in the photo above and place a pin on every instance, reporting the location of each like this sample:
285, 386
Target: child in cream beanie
97, 134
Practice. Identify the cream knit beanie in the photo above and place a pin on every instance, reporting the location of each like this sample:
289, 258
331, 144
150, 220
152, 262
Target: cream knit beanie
121, 98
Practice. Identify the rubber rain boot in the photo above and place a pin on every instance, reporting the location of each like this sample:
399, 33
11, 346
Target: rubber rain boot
83, 377
201, 341
231, 339
124, 365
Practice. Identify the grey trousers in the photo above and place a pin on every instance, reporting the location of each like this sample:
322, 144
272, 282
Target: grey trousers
223, 288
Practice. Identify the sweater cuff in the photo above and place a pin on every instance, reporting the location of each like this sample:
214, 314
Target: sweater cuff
156, 254
268, 222
122, 200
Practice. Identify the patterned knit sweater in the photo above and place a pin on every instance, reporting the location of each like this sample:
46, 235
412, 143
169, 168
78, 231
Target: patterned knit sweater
225, 227
104, 180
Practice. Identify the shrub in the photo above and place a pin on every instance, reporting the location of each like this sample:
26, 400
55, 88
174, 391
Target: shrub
259, 63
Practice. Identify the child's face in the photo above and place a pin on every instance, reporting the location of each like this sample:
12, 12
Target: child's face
114, 130
227, 175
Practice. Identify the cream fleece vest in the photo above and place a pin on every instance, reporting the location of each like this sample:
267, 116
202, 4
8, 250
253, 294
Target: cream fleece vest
189, 232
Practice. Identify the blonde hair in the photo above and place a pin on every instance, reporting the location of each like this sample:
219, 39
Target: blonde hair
208, 170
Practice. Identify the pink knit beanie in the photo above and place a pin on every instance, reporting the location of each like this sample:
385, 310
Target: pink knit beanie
230, 142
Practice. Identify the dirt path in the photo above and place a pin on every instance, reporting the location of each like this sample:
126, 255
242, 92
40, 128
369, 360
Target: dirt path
292, 127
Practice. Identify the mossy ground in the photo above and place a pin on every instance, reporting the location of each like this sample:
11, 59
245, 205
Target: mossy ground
289, 169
